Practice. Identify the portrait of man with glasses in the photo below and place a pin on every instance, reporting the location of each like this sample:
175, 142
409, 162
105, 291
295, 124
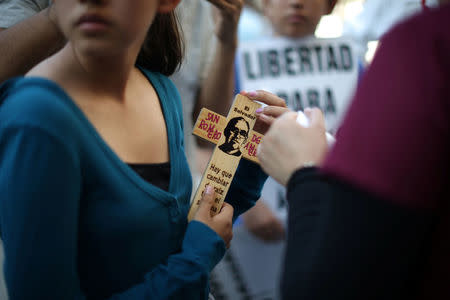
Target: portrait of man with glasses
236, 134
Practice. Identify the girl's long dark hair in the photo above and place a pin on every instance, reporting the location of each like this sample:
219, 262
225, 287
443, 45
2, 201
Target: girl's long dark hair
163, 48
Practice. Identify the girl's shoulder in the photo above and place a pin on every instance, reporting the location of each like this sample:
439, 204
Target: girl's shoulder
36, 102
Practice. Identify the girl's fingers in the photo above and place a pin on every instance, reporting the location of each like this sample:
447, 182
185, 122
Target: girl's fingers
226, 211
273, 111
265, 97
207, 201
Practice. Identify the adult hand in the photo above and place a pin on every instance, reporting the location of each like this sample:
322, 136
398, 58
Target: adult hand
276, 106
262, 222
226, 16
288, 146
222, 223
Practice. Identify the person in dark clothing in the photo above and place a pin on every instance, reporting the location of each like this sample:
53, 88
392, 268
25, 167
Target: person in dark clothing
370, 218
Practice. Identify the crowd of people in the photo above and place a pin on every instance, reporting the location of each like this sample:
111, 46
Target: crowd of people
97, 163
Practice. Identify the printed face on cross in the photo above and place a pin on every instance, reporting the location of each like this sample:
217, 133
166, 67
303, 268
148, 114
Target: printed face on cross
236, 134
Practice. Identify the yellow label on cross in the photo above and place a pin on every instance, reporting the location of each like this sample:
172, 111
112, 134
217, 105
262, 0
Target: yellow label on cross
234, 138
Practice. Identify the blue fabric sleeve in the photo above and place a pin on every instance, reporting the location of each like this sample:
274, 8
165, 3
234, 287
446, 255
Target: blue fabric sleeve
185, 274
246, 187
40, 184
38, 215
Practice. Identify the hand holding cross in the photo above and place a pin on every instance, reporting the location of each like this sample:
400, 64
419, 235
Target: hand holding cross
234, 138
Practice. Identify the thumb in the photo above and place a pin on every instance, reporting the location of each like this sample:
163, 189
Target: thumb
315, 116
207, 202
288, 116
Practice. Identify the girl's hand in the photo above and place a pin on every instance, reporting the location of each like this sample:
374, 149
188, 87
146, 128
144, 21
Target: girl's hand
288, 146
222, 223
276, 106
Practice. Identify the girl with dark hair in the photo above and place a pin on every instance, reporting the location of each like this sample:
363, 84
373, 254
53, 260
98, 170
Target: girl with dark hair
94, 181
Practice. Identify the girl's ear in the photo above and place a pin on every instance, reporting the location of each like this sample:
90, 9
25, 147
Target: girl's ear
166, 6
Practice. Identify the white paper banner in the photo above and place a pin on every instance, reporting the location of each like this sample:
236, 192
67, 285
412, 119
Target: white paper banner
305, 72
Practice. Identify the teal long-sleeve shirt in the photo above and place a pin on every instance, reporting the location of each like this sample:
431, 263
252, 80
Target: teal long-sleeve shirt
78, 223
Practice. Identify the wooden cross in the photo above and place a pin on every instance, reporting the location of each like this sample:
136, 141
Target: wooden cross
234, 138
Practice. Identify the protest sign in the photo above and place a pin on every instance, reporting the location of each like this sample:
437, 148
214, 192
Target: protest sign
305, 72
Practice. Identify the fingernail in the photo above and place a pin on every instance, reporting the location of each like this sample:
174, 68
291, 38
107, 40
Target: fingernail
253, 94
209, 189
259, 110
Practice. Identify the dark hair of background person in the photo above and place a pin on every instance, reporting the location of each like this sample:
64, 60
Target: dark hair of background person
163, 48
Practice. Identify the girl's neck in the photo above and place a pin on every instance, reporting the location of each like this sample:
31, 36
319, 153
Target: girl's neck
103, 76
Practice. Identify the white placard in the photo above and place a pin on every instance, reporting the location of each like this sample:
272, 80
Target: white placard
305, 72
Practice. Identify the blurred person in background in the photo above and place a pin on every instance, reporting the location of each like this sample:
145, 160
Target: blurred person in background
206, 78
281, 16
255, 257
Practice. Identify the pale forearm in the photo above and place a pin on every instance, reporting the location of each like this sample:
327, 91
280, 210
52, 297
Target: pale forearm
27, 43
216, 92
